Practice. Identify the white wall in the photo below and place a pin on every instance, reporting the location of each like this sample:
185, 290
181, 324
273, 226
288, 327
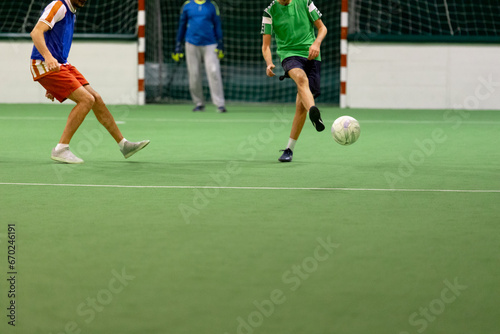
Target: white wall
421, 76
110, 68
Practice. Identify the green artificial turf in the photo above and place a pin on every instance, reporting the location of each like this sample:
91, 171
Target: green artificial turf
204, 231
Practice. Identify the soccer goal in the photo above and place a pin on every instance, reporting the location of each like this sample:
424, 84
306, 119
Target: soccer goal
243, 68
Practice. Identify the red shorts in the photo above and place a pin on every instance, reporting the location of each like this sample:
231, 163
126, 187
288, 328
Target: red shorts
61, 84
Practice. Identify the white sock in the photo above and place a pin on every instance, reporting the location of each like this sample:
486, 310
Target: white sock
122, 143
291, 144
61, 146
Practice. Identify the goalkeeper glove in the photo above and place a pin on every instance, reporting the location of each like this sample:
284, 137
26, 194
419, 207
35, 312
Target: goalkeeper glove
219, 50
178, 52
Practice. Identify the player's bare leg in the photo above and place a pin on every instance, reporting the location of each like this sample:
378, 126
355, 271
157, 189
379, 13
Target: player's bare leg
103, 115
84, 102
299, 119
297, 125
299, 76
304, 103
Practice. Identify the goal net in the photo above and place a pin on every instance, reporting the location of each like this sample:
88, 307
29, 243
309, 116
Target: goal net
243, 68
443, 20
100, 19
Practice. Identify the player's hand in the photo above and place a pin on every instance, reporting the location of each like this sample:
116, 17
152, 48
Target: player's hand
177, 56
219, 50
52, 64
178, 52
313, 51
269, 70
220, 53
49, 96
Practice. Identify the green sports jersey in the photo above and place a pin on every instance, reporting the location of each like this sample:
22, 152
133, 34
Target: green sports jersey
293, 27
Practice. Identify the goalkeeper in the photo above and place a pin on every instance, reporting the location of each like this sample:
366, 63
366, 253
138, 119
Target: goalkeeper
200, 27
293, 22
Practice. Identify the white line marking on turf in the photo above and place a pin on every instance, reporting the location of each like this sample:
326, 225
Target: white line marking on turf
250, 188
368, 121
7, 118
29, 118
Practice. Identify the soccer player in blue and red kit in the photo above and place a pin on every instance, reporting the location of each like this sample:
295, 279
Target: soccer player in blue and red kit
200, 26
52, 36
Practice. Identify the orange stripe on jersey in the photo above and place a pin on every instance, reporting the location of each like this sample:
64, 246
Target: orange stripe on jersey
35, 69
53, 11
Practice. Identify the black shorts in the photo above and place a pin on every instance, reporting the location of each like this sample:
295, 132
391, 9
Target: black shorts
311, 67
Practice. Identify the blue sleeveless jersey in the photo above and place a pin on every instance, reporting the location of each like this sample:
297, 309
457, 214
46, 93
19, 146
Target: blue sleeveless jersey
59, 38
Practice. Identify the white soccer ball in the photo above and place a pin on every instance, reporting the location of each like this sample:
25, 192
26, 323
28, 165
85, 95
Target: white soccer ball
345, 130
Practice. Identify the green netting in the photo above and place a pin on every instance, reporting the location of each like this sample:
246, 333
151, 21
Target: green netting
243, 68
115, 17
473, 18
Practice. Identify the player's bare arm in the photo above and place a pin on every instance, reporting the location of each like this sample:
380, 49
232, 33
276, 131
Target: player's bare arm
268, 57
316, 46
37, 35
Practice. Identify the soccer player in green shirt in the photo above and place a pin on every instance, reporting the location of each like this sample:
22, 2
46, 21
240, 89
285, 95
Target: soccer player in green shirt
293, 22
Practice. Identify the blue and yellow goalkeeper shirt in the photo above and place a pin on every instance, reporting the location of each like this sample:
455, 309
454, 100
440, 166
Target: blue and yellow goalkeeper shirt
200, 23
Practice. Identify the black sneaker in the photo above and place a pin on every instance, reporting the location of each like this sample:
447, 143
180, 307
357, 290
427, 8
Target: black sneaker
199, 108
286, 156
222, 109
315, 117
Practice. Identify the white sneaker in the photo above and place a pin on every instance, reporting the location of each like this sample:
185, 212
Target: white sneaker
130, 148
66, 156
